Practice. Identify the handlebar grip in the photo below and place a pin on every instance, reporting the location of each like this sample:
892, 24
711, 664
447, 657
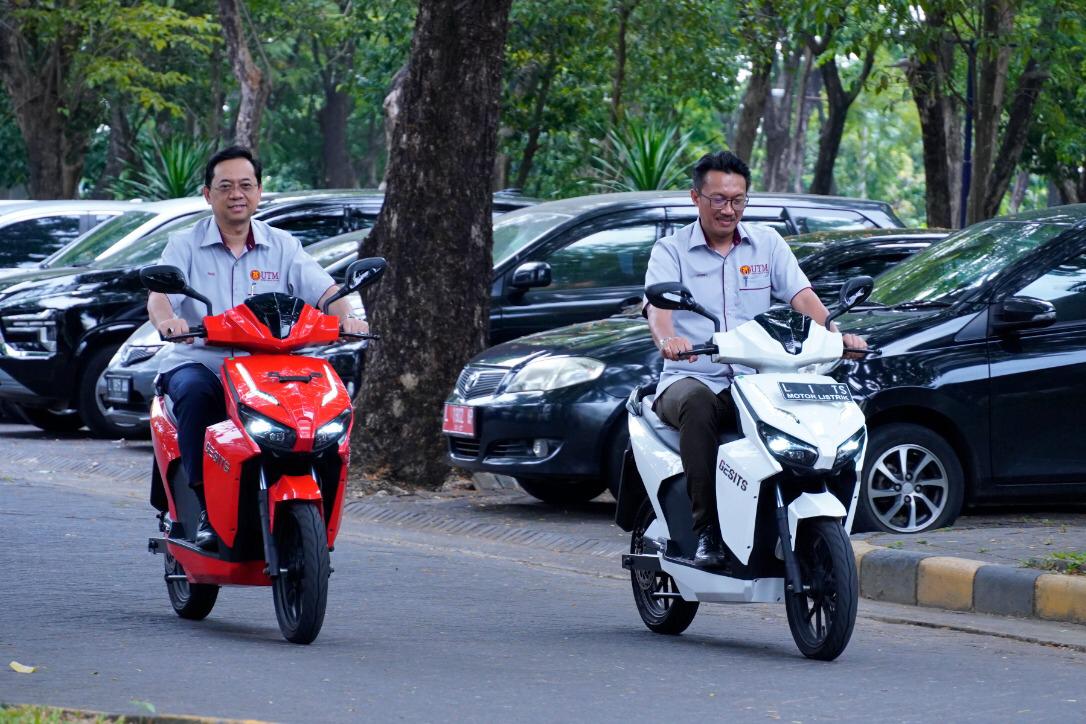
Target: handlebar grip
360, 335
868, 350
709, 349
195, 332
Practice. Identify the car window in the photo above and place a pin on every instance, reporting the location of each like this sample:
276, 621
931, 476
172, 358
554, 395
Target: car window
1065, 287
313, 224
870, 266
609, 258
808, 220
516, 230
83, 250
25, 243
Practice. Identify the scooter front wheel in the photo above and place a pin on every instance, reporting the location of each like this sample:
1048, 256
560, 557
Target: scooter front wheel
822, 616
301, 588
193, 601
655, 593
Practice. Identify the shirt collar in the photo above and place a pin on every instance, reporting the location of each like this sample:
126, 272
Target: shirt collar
213, 236
697, 236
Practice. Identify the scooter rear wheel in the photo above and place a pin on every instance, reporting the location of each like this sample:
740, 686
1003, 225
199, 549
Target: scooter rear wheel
655, 592
822, 616
193, 601
301, 589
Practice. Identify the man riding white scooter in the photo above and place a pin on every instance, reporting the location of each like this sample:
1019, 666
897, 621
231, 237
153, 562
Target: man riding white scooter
734, 270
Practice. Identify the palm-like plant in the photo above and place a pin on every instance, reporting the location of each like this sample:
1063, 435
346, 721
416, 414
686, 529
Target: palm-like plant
644, 156
167, 170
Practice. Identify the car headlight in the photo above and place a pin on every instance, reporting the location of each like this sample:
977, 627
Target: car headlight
332, 431
31, 335
786, 448
555, 372
850, 448
265, 431
144, 344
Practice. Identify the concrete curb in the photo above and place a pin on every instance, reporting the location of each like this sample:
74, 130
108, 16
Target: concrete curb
960, 584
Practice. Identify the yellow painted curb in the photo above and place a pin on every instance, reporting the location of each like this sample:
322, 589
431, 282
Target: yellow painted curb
945, 582
1061, 597
861, 548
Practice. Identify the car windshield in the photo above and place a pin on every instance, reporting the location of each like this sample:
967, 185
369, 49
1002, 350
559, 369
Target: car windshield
146, 250
83, 250
513, 232
949, 270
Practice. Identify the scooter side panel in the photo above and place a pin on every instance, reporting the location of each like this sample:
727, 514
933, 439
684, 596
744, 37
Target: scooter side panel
200, 568
812, 505
698, 585
336, 516
740, 469
655, 462
226, 448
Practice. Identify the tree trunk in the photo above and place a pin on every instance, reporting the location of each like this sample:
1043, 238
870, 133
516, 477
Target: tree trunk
336, 158
392, 106
431, 307
777, 123
121, 152
808, 95
254, 83
542, 92
993, 59
1018, 194
754, 101
625, 9
838, 99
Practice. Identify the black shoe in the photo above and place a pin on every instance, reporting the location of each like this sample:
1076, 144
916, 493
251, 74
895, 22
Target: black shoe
205, 534
710, 552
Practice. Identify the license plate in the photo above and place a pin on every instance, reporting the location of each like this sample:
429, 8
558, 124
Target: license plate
459, 420
118, 389
815, 392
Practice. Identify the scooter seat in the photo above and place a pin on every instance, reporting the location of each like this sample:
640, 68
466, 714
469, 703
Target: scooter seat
668, 434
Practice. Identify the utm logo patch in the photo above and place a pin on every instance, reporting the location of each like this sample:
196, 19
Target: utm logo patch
744, 270
264, 276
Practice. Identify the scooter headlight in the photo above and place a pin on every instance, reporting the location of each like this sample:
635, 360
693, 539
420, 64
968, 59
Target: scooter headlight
265, 431
786, 448
850, 448
332, 432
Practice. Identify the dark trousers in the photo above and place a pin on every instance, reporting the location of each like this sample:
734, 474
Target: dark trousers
699, 415
198, 401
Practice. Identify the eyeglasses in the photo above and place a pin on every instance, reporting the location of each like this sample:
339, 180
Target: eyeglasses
718, 202
246, 187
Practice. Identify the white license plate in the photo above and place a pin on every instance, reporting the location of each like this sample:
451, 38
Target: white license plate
821, 392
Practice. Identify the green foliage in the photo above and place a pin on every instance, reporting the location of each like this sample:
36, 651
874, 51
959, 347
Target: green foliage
170, 169
644, 156
13, 171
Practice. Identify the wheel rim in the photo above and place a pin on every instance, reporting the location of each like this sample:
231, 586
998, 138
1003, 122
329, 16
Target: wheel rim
818, 604
907, 488
650, 583
180, 587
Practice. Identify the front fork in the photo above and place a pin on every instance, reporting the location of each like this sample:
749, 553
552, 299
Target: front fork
271, 556
792, 579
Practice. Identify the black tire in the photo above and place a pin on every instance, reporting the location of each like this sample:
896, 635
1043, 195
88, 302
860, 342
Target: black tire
49, 420
822, 617
613, 454
899, 457
91, 408
669, 616
193, 601
561, 492
301, 593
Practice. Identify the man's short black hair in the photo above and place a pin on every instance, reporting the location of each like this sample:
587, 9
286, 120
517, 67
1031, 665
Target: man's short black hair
725, 161
225, 155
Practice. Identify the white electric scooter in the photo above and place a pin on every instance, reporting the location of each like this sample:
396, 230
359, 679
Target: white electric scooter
786, 486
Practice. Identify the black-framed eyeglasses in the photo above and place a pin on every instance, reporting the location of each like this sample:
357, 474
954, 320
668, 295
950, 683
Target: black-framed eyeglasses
718, 202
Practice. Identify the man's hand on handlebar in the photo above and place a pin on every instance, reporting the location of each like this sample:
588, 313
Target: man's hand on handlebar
173, 327
852, 343
354, 326
670, 347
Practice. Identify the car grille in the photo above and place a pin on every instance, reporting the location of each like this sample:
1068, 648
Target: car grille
474, 383
462, 448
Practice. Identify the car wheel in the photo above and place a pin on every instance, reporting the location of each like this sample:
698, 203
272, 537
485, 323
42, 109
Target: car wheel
91, 406
49, 420
561, 492
912, 481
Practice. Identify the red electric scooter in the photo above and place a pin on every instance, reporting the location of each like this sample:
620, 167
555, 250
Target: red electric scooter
274, 471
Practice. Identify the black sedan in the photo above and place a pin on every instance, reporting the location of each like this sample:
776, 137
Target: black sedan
547, 409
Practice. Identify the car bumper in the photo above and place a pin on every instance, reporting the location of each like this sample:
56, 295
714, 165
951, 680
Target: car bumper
126, 394
536, 434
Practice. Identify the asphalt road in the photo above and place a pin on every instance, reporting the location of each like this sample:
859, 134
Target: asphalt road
427, 626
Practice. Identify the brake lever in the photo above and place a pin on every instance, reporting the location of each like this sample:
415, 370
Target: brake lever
196, 332
708, 349
360, 335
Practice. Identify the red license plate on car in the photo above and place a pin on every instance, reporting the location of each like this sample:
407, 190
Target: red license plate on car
459, 420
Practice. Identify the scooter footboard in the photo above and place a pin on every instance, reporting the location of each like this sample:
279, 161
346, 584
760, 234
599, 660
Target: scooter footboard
698, 585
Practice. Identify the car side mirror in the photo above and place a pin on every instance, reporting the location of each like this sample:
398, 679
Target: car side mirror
1022, 313
532, 274
854, 292
673, 295
359, 274
167, 279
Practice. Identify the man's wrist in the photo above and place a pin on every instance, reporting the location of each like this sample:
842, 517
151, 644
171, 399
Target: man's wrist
664, 341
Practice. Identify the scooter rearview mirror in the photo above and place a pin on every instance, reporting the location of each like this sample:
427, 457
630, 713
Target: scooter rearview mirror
168, 279
853, 292
359, 274
669, 295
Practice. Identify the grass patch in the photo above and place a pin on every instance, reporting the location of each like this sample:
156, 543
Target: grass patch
51, 715
1073, 562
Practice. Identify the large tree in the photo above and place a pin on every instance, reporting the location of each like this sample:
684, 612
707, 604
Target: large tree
57, 57
435, 231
